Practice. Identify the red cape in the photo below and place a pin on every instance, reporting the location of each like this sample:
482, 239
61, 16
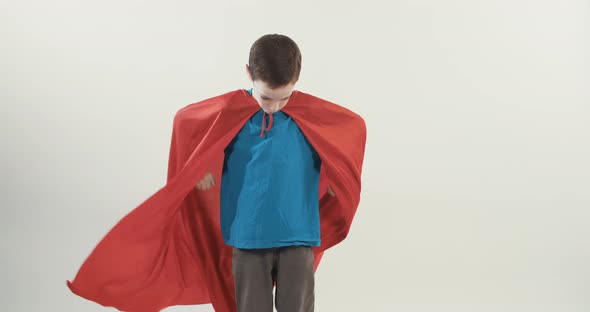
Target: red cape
170, 251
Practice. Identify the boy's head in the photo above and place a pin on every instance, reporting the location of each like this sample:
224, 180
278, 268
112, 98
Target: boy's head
274, 67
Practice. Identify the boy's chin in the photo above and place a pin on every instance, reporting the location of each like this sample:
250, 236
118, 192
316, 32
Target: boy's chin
269, 111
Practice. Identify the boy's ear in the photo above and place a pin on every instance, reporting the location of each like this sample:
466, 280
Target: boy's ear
248, 72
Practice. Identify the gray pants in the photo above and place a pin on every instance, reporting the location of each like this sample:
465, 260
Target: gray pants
291, 267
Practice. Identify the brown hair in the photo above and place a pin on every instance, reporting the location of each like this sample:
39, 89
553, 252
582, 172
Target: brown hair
275, 59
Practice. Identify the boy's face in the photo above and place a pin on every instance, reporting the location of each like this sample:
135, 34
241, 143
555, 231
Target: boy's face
270, 100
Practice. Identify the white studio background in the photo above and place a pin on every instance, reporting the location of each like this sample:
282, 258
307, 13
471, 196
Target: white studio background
476, 183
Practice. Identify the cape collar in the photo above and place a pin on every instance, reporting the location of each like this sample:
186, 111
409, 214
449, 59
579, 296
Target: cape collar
264, 126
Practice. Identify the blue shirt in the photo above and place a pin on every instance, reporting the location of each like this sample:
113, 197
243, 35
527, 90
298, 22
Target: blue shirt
269, 185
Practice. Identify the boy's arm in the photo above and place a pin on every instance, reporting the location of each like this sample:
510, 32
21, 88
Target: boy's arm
317, 162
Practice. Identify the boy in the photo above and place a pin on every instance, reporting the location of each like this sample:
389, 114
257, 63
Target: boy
193, 242
269, 190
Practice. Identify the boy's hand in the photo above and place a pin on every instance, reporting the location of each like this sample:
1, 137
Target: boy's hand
331, 192
206, 183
